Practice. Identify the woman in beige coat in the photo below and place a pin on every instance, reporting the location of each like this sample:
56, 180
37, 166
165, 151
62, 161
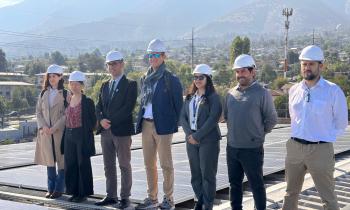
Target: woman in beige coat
50, 112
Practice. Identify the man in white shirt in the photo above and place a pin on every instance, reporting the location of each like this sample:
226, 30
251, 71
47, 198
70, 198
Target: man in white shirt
319, 113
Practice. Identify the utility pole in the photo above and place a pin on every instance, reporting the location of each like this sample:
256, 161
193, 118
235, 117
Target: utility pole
313, 36
286, 12
192, 49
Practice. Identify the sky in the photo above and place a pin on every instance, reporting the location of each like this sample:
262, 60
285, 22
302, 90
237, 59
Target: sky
4, 3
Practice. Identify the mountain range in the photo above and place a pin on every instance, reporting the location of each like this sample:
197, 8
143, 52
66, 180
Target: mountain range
142, 20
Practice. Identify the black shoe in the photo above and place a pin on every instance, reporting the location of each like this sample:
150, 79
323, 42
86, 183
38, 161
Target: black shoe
123, 203
198, 206
71, 199
106, 201
55, 195
79, 199
48, 194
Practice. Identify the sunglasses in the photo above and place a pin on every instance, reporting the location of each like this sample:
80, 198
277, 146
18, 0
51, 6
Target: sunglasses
155, 55
200, 77
113, 63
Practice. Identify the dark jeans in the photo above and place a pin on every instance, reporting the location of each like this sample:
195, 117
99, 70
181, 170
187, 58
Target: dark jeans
249, 161
203, 160
55, 179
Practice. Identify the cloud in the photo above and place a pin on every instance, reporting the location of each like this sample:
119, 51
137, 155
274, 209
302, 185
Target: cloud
5, 3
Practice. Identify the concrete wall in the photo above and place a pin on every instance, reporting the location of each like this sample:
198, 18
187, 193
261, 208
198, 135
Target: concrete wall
26, 128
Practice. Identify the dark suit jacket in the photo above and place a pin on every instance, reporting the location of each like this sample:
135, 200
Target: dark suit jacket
119, 108
209, 113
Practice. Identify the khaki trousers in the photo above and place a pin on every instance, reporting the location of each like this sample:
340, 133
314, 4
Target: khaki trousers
318, 160
152, 143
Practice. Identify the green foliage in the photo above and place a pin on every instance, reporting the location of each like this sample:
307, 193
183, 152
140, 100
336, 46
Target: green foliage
94, 92
343, 82
129, 66
281, 104
239, 46
185, 75
3, 61
23, 97
172, 66
278, 83
34, 67
92, 62
224, 77
57, 58
7, 141
267, 74
222, 91
135, 75
3, 105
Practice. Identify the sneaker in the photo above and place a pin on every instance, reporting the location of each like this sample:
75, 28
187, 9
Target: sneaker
148, 204
167, 204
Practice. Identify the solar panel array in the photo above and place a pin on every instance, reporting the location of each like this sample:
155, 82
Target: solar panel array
275, 151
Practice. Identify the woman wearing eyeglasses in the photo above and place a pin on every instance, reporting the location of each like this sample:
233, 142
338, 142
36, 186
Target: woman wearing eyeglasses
199, 119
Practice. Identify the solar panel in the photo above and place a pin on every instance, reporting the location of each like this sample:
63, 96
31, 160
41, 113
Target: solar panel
275, 151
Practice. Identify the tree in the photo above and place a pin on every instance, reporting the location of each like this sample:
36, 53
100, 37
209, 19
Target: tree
23, 97
3, 106
57, 58
185, 75
343, 83
278, 83
95, 90
293, 57
3, 61
239, 46
34, 67
92, 62
267, 74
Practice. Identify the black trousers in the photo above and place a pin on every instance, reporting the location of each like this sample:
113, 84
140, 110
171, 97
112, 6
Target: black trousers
78, 172
249, 161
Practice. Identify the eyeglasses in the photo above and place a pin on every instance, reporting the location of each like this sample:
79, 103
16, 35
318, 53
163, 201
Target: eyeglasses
154, 55
200, 77
113, 63
308, 95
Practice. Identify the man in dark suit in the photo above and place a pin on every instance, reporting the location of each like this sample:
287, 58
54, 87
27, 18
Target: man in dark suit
116, 102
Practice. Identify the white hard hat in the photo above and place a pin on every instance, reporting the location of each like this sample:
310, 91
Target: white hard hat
77, 76
156, 46
203, 69
312, 53
114, 56
54, 69
244, 61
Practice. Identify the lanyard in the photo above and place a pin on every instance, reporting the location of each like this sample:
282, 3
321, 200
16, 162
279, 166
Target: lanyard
195, 107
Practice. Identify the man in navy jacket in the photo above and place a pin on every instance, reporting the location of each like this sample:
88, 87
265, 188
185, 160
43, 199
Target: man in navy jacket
161, 102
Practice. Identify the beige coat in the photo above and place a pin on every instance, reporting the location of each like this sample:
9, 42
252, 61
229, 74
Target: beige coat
45, 114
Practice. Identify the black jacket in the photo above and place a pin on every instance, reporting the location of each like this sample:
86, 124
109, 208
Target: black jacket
88, 121
119, 108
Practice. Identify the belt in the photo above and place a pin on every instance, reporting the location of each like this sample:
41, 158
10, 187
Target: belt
302, 141
148, 119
